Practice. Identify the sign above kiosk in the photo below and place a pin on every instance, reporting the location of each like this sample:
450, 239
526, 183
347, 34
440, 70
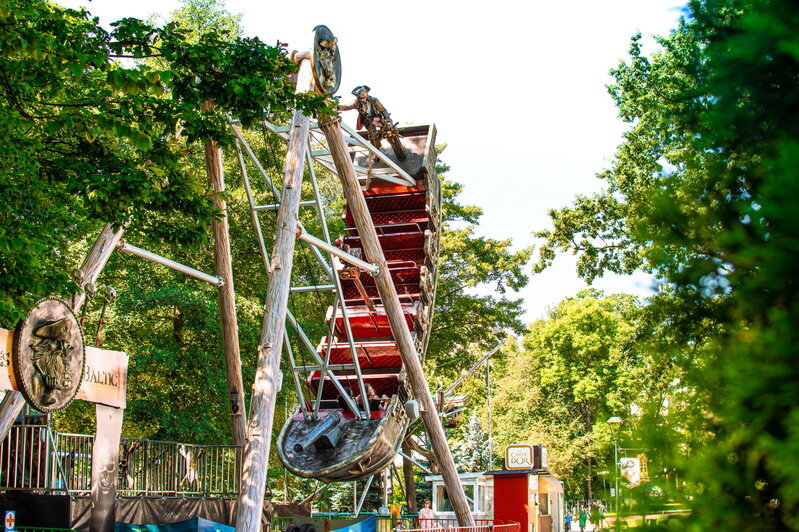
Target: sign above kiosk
519, 456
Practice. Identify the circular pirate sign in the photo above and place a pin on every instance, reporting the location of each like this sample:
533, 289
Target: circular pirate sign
48, 355
326, 60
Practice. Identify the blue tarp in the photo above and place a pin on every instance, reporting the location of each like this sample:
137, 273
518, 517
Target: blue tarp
367, 525
192, 525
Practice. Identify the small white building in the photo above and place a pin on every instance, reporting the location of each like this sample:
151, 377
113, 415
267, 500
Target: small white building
479, 490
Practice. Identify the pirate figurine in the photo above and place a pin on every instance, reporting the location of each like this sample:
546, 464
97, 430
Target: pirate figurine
374, 117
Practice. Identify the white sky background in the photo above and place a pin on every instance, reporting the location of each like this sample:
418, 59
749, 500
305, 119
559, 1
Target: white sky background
516, 90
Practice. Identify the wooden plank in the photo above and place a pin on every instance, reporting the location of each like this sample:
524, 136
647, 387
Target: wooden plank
267, 374
105, 378
399, 328
96, 260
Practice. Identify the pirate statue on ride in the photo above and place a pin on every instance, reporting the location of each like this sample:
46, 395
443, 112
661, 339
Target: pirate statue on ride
374, 117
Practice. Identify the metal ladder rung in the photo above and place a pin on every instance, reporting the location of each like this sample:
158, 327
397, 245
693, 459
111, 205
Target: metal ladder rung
323, 157
274, 206
314, 288
332, 368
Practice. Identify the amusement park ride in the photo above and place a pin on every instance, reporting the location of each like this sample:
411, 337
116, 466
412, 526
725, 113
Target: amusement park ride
368, 379
367, 383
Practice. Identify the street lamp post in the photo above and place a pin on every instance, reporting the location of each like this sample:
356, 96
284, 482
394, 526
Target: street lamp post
615, 423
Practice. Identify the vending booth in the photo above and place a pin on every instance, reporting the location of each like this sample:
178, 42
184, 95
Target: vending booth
526, 492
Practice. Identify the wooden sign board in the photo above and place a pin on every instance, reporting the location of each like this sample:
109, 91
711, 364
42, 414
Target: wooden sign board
105, 377
6, 348
104, 380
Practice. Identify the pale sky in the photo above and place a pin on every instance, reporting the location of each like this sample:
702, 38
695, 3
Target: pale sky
516, 90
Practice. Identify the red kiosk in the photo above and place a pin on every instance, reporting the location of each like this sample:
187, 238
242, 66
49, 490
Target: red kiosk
526, 492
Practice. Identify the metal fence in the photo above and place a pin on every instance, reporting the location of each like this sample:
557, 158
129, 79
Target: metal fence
484, 527
35, 458
411, 523
451, 525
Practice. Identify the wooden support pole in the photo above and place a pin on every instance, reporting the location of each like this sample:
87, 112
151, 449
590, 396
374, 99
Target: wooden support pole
105, 460
226, 293
95, 261
399, 328
267, 375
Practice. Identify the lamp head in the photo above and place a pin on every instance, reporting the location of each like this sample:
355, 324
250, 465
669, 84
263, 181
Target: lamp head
614, 423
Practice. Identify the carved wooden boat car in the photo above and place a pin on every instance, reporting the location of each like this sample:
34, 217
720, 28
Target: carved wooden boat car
364, 447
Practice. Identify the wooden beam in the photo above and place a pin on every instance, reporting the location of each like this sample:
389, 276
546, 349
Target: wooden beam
262, 406
95, 261
226, 293
399, 328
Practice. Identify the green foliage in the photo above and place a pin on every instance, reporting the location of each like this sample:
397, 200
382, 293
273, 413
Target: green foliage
472, 453
92, 139
572, 372
207, 16
701, 193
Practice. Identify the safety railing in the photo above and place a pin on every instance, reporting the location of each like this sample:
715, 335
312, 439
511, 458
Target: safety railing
35, 458
28, 462
451, 525
507, 527
148, 467
411, 523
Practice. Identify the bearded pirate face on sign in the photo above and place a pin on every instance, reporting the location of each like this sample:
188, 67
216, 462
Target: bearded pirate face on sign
48, 355
50, 351
326, 60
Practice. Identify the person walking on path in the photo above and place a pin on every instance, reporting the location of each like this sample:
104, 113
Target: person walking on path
426, 516
601, 507
594, 518
568, 518
582, 518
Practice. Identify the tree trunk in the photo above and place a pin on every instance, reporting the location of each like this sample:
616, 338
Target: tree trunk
227, 293
407, 474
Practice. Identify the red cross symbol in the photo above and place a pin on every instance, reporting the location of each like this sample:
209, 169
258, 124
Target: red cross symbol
10, 520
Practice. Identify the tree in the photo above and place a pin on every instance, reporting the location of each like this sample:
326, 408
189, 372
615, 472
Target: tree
575, 369
91, 139
701, 194
473, 451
